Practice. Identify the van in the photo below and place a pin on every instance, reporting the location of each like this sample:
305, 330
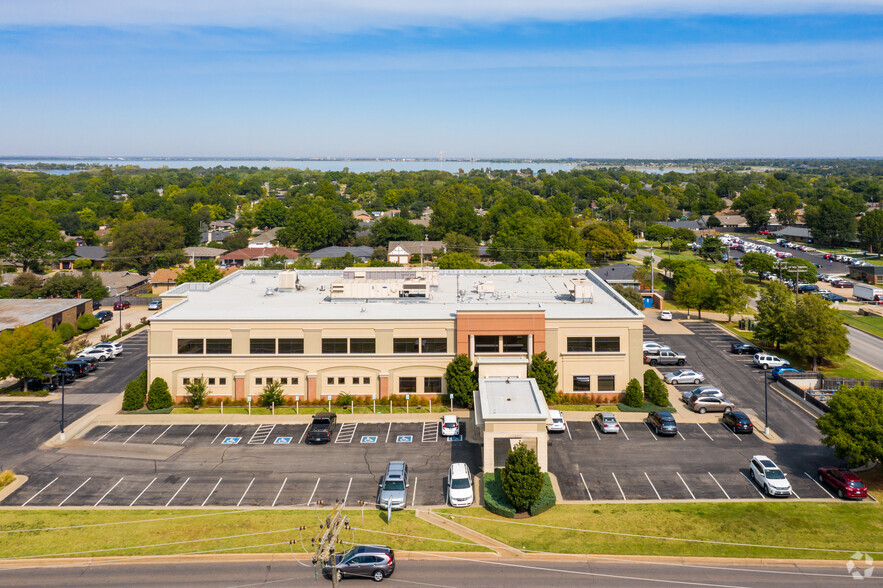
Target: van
393, 488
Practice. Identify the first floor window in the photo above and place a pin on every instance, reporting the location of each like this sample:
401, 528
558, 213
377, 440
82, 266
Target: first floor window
294, 381
357, 380
269, 380
258, 381
186, 381
222, 381
189, 346
366, 380
211, 381
582, 383
283, 381
341, 381
330, 380
432, 385
606, 383
407, 385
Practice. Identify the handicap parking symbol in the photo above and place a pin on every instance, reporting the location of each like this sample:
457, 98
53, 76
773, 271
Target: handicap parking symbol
404, 438
455, 438
231, 440
369, 439
282, 441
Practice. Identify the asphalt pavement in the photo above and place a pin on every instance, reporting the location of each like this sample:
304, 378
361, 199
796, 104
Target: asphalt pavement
828, 267
865, 347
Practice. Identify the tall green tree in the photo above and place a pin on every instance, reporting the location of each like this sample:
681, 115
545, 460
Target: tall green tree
394, 229
310, 226
461, 380
870, 230
147, 244
660, 233
697, 292
712, 249
457, 243
563, 260
521, 477
269, 213
28, 239
733, 294
758, 263
545, 371
775, 314
203, 270
26, 285
458, 260
819, 331
854, 425
29, 351
786, 205
831, 221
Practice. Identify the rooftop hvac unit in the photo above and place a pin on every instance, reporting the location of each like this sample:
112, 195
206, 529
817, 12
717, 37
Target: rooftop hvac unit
484, 287
288, 280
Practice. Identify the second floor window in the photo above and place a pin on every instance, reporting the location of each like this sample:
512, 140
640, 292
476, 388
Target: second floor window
263, 345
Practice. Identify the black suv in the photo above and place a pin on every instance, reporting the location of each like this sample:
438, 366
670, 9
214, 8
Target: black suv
744, 349
364, 561
321, 428
47, 382
738, 422
662, 422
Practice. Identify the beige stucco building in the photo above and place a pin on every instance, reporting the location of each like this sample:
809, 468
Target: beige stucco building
390, 331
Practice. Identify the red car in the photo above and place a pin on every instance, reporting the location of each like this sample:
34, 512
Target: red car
847, 484
121, 305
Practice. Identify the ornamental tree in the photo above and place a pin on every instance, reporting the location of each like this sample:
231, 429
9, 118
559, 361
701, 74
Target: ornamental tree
461, 380
545, 372
854, 425
522, 478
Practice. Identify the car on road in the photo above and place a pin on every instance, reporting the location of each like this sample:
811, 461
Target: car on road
393, 488
450, 426
737, 422
702, 391
666, 357
702, 404
831, 297
121, 305
684, 377
154, 305
321, 427
652, 347
460, 485
557, 425
744, 349
846, 483
768, 476
363, 561
784, 370
103, 315
766, 361
662, 422
606, 422
665, 315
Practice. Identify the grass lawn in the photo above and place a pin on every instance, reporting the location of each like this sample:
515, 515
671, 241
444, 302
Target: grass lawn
382, 408
871, 324
274, 526
837, 525
873, 479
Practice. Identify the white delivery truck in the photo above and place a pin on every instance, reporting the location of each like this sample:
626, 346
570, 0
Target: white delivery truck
867, 292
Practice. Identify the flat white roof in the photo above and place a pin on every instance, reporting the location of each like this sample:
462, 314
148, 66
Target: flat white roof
25, 311
514, 399
245, 295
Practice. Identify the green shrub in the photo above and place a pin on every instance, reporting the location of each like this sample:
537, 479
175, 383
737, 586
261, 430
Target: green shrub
633, 395
87, 322
136, 393
495, 499
545, 372
521, 478
159, 396
66, 331
462, 380
546, 500
645, 407
197, 391
343, 399
654, 388
6, 478
272, 394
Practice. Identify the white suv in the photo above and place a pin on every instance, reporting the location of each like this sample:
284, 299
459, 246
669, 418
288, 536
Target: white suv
460, 485
766, 361
653, 348
450, 426
768, 476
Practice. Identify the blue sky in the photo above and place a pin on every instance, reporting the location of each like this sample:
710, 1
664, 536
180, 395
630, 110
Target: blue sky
394, 78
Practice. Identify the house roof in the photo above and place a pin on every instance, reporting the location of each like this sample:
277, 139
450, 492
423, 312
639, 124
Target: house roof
412, 247
362, 252
211, 236
616, 273
259, 253
267, 236
203, 251
732, 220
25, 311
804, 232
92, 252
165, 275
693, 225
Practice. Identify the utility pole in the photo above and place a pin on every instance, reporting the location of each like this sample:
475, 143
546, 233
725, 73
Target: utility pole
325, 540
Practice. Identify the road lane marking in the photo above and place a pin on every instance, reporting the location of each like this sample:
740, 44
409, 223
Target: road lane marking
310, 501
105, 435
302, 435
133, 434
618, 486
719, 485
176, 492
345, 496
246, 492
143, 491
74, 492
280, 492
38, 492
188, 436
819, 485
109, 491
388, 429
687, 487
11, 413
753, 485
414, 497
704, 431
658, 497
586, 486
161, 434
218, 435
218, 483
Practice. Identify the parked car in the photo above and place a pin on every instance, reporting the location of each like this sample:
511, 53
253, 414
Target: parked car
766, 361
321, 427
737, 422
97, 353
450, 426
806, 288
47, 382
393, 488
121, 305
96, 304
103, 315
113, 345
784, 370
768, 476
846, 483
842, 284
92, 362
154, 305
79, 366
606, 422
702, 404
65, 374
834, 297
684, 377
652, 347
666, 357
744, 349
363, 561
665, 315
702, 391
460, 485
557, 425
662, 422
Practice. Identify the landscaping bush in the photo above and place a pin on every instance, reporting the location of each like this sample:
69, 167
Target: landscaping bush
343, 399
633, 395
655, 389
136, 393
6, 478
197, 391
546, 500
495, 499
462, 380
87, 322
159, 396
645, 407
272, 394
545, 372
66, 331
521, 478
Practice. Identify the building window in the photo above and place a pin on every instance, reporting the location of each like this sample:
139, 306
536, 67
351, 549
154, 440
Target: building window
434, 345
189, 346
487, 344
283, 381
579, 344
606, 383
222, 381
341, 381
432, 385
357, 380
219, 346
406, 345
186, 381
294, 381
269, 380
211, 381
333, 345
582, 383
330, 380
291, 345
263, 345
366, 380
407, 385
606, 344
258, 381
362, 346
515, 343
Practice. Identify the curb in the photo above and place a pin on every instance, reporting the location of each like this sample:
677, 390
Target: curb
82, 424
19, 481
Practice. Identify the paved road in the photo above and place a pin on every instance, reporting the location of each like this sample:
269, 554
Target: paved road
832, 268
865, 347
453, 571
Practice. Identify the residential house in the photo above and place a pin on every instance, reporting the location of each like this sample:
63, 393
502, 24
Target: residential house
361, 253
222, 225
255, 256
401, 251
163, 279
195, 254
265, 239
362, 216
51, 312
619, 273
94, 253
214, 236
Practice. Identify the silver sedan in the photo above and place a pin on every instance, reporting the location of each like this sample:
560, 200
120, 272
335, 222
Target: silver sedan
684, 377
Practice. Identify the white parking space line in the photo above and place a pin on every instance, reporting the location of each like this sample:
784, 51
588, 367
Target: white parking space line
348, 486
595, 428
618, 486
704, 431
566, 428
753, 485
160, 435
655, 438
685, 486
105, 434
261, 434
218, 483
658, 497
681, 436
143, 491
304, 434
795, 493
346, 433
817, 484
719, 485
430, 432
109, 491
621, 428
74, 492
732, 432
219, 434
310, 501
38, 492
388, 429
176, 492
133, 434
280, 491
244, 493
11, 413
414, 496
188, 436
586, 486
